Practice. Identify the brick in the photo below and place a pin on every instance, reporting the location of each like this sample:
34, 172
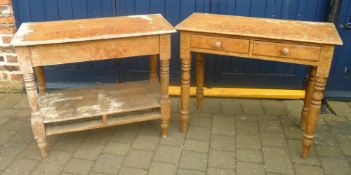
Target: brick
189, 172
225, 143
125, 134
252, 106
6, 10
273, 107
223, 125
212, 105
108, 163
193, 160
138, 159
335, 166
248, 142
310, 170
248, 155
7, 20
6, 39
270, 126
4, 76
20, 167
2, 59
7, 29
200, 121
198, 133
11, 59
329, 151
145, 142
196, 145
220, 171
16, 77
246, 168
232, 106
277, 160
244, 128
31, 152
221, 159
132, 171
117, 148
101, 136
57, 157
88, 151
168, 154
78, 166
9, 68
162, 169
5, 2
273, 139
246, 117
44, 168
174, 138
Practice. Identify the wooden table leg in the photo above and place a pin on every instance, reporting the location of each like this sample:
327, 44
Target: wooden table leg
39, 73
308, 96
200, 75
153, 67
185, 93
165, 102
313, 114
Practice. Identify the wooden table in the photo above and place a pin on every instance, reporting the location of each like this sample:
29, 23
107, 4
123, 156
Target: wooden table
307, 43
59, 42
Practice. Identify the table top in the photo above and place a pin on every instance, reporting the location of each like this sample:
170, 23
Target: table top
291, 30
53, 32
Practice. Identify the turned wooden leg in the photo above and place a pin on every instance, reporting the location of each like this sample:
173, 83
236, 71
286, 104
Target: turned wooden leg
153, 67
200, 74
313, 114
165, 102
308, 95
39, 73
185, 93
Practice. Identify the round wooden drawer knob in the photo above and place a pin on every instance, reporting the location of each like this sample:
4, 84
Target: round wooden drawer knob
285, 51
218, 44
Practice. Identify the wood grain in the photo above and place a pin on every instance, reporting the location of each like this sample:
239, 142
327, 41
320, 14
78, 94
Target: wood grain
224, 43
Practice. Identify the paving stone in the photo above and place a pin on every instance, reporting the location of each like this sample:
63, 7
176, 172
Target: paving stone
78, 166
132, 171
246, 168
45, 168
329, 151
70, 142
212, 106
249, 155
292, 132
175, 104
346, 149
90, 151
226, 143
168, 154
293, 107
20, 167
189, 172
222, 159
5, 161
108, 163
340, 108
243, 127
125, 133
295, 153
277, 160
220, 171
223, 125
200, 121
22, 104
57, 157
23, 136
162, 169
248, 141
232, 106
117, 148
196, 145
310, 170
269, 117
6, 135
273, 139
31, 152
193, 160
146, 142
273, 107
335, 166
198, 133
15, 125
246, 117
151, 128
100, 136
324, 136
138, 159
270, 126
174, 138
10, 100
11, 149
252, 106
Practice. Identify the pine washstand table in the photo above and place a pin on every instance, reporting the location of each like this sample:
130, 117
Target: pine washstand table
70, 41
298, 42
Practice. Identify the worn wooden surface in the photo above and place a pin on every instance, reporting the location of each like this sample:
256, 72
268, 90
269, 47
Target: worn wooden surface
311, 32
90, 29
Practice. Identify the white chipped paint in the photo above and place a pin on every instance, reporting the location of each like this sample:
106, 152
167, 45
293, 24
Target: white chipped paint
145, 17
24, 30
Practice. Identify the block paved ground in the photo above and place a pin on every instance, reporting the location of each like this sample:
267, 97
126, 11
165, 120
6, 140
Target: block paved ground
230, 136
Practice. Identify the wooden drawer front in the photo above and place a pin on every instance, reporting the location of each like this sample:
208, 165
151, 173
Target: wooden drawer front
286, 50
220, 43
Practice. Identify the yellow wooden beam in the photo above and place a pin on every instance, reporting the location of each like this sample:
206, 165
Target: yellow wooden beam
244, 93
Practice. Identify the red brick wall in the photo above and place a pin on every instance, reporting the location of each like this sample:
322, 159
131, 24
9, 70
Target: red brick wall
10, 77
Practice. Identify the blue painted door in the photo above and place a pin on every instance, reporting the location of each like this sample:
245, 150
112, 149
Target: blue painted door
220, 71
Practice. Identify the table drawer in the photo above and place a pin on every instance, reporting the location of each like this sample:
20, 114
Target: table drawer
286, 50
220, 43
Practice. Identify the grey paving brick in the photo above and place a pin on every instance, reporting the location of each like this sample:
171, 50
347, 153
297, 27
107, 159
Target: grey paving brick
189, 172
248, 141
246, 117
226, 143
198, 133
90, 151
138, 159
117, 148
146, 142
220, 171
23, 136
232, 106
248, 155
335, 166
196, 145
324, 136
78, 166
340, 108
193, 160
10, 100
168, 154
132, 171
295, 153
252, 106
329, 151
5, 161
11, 149
273, 107
99, 136
212, 106
151, 128
273, 139
15, 125
108, 163
346, 149
243, 127
46, 168
200, 121
70, 142
6, 135
57, 157
221, 159
223, 125
31, 152
246, 168
292, 132
310, 170
277, 160
270, 126
125, 133
175, 104
294, 107
20, 167
162, 169
174, 138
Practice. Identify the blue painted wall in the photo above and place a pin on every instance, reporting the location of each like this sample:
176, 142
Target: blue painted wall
225, 71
